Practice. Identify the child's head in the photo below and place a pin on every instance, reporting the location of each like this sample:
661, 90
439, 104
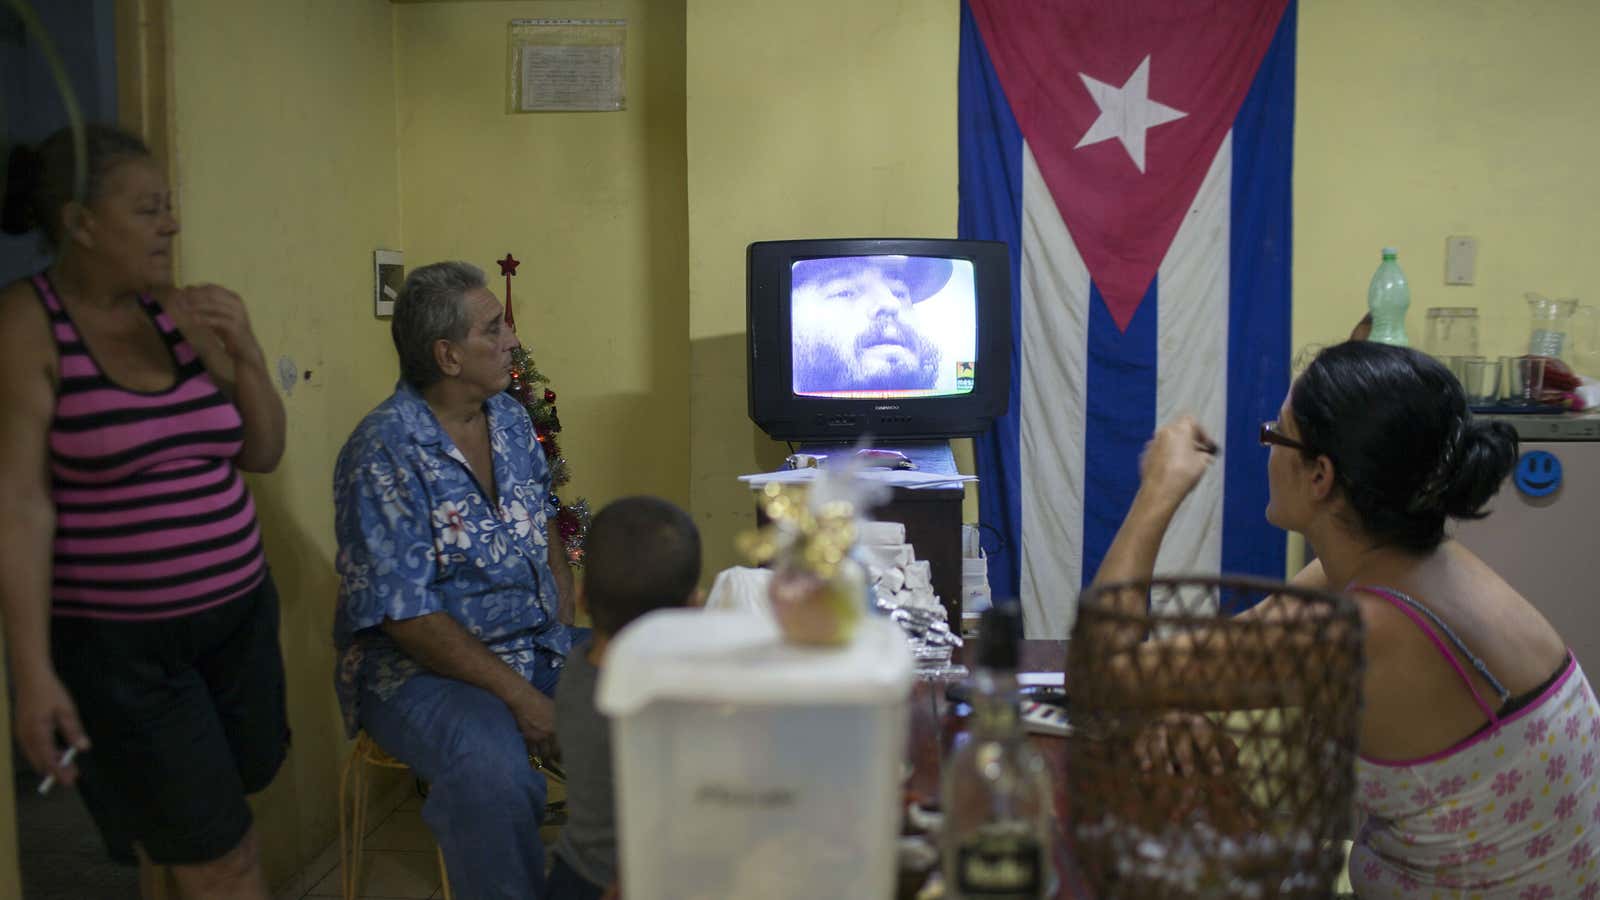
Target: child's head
642, 554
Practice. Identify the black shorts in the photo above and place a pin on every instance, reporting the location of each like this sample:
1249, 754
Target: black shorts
186, 717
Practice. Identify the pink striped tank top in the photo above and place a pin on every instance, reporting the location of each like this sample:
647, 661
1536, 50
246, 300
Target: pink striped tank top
152, 519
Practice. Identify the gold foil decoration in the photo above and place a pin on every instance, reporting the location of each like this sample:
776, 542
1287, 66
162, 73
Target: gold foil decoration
818, 591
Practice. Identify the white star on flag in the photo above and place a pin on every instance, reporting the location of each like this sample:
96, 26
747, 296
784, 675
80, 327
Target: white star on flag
1126, 112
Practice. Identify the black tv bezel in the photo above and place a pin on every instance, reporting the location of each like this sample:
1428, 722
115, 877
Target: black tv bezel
786, 416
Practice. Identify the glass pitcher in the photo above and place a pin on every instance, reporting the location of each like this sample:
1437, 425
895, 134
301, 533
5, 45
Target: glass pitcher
1551, 320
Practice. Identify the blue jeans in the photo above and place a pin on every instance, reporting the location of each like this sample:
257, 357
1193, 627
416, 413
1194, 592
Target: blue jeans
485, 801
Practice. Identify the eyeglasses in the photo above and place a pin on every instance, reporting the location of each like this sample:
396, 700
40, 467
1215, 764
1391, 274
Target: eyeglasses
1270, 435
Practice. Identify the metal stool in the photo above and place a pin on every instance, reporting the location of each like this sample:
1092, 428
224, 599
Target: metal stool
353, 813
353, 810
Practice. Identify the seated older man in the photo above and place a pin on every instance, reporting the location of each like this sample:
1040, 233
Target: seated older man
450, 627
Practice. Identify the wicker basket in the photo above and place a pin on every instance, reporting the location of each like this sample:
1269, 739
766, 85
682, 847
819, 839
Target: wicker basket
1212, 755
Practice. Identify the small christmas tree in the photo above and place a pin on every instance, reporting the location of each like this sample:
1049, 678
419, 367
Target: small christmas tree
530, 387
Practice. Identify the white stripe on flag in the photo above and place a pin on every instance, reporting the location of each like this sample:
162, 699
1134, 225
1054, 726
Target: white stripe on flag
1192, 358
1054, 364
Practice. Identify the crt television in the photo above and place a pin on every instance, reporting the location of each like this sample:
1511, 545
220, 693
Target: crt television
890, 338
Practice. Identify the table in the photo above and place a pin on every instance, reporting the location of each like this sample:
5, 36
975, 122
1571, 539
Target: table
927, 707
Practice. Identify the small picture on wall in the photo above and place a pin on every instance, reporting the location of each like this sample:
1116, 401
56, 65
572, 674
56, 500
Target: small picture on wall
389, 273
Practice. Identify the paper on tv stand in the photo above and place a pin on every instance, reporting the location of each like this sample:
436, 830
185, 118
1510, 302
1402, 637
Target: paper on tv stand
901, 478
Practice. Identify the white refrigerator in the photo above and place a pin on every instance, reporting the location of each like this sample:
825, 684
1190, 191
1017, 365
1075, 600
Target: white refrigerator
1543, 533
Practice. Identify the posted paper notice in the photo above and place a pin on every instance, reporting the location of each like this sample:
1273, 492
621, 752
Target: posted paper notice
571, 78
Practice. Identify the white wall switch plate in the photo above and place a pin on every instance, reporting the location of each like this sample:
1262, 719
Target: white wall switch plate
388, 274
1460, 259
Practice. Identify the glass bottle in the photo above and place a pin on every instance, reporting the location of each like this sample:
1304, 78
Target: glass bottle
996, 788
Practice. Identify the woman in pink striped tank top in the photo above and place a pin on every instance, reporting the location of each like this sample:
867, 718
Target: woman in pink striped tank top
140, 617
1479, 773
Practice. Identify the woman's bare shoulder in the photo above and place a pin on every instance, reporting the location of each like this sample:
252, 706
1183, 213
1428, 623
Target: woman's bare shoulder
24, 323
17, 291
1495, 621
28, 365
1491, 599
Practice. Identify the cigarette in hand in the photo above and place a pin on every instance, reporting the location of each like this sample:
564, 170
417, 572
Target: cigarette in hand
50, 780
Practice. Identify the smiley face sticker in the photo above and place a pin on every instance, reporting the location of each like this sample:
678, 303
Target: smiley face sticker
1538, 473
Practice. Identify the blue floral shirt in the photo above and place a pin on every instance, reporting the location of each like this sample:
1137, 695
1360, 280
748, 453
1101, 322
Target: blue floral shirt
417, 536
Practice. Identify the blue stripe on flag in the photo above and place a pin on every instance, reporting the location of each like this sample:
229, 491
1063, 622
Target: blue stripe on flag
1120, 417
991, 209
1259, 305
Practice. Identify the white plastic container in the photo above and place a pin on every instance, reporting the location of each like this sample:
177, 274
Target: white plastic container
749, 768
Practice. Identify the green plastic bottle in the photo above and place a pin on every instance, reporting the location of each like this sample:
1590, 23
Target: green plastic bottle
1388, 298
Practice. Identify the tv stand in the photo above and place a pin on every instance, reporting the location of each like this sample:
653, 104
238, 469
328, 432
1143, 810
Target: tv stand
932, 516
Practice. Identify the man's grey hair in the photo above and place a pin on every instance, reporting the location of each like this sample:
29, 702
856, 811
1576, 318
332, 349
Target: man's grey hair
431, 307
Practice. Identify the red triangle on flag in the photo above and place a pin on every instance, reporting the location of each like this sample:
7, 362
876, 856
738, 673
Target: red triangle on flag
1124, 106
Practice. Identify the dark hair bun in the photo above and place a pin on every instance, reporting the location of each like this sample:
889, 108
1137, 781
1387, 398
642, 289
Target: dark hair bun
1406, 451
23, 166
1485, 455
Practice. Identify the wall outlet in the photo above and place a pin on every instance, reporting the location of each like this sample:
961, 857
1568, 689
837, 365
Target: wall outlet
1460, 259
388, 274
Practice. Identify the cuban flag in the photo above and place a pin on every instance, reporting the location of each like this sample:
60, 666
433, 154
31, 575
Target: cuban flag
1136, 157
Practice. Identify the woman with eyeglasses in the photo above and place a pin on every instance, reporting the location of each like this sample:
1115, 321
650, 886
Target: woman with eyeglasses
1480, 735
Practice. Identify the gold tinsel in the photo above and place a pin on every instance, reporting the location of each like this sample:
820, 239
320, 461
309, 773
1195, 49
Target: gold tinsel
816, 541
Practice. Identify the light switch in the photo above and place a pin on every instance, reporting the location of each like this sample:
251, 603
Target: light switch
1460, 259
388, 274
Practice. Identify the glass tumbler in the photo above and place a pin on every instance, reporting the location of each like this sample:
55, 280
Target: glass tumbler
1480, 378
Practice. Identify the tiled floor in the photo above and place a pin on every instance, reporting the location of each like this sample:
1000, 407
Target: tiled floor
399, 858
399, 861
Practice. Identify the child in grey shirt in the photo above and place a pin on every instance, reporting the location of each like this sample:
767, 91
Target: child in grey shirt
642, 554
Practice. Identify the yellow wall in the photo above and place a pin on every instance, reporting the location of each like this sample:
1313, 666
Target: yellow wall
827, 119
593, 205
285, 133
1424, 119
307, 132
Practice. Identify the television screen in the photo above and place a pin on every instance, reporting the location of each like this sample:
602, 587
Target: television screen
882, 338
883, 326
